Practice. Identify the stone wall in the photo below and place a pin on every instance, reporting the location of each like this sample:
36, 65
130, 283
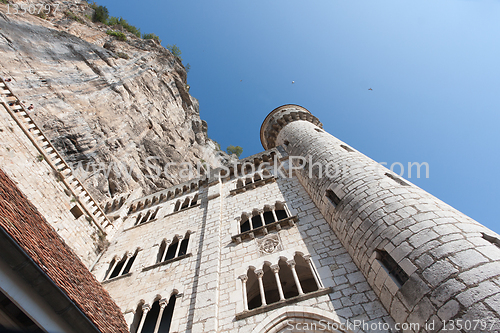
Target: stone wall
210, 290
23, 163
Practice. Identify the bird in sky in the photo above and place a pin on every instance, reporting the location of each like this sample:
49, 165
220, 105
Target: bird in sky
293, 82
370, 89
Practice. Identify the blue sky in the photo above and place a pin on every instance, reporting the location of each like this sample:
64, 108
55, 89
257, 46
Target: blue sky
434, 67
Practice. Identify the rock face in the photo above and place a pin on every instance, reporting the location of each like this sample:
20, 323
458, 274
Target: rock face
108, 106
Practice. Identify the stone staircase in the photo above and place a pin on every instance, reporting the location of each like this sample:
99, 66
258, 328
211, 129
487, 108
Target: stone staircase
65, 174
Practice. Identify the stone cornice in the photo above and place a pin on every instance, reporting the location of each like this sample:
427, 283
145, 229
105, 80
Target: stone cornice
279, 118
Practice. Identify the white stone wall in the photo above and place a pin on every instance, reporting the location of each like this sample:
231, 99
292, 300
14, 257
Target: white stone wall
19, 159
211, 291
180, 276
352, 297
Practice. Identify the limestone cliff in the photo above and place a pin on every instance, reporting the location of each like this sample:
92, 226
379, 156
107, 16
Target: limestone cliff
104, 102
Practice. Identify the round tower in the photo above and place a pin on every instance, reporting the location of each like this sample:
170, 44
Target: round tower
427, 262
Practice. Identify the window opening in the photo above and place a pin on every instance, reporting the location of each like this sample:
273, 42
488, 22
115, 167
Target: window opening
392, 268
334, 199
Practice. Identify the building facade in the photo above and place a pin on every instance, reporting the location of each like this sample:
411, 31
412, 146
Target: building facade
309, 235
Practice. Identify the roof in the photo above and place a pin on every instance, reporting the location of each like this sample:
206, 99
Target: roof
20, 219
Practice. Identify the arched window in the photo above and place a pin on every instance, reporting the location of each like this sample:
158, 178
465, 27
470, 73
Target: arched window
281, 212
168, 314
271, 290
256, 220
286, 278
153, 216
194, 201
188, 202
257, 177
185, 204
122, 266
137, 317
172, 249
245, 223
156, 318
248, 181
184, 245
253, 291
305, 274
268, 215
278, 282
162, 251
177, 206
146, 217
262, 218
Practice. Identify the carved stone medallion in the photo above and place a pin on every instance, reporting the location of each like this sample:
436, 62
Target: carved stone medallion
269, 244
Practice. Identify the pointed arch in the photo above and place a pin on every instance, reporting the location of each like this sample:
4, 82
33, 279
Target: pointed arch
245, 222
172, 249
270, 285
280, 210
177, 206
306, 276
137, 317
185, 204
279, 320
253, 291
194, 201
286, 277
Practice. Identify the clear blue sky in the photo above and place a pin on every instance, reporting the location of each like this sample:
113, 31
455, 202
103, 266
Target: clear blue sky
433, 65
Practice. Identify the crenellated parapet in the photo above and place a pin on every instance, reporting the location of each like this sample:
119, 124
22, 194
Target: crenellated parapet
279, 118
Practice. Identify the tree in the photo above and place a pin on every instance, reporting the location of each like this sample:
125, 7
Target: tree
176, 51
101, 14
234, 150
151, 36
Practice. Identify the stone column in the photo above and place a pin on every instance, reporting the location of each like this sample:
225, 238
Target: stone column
145, 310
291, 263
308, 259
260, 274
163, 304
244, 280
179, 240
129, 255
154, 254
116, 261
190, 241
164, 255
274, 214
276, 269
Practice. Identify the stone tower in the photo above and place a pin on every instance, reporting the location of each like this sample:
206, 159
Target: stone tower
424, 260
309, 235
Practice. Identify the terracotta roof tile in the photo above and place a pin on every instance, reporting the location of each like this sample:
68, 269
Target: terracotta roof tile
40, 241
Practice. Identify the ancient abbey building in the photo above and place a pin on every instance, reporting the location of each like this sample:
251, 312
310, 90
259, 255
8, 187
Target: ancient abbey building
275, 243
